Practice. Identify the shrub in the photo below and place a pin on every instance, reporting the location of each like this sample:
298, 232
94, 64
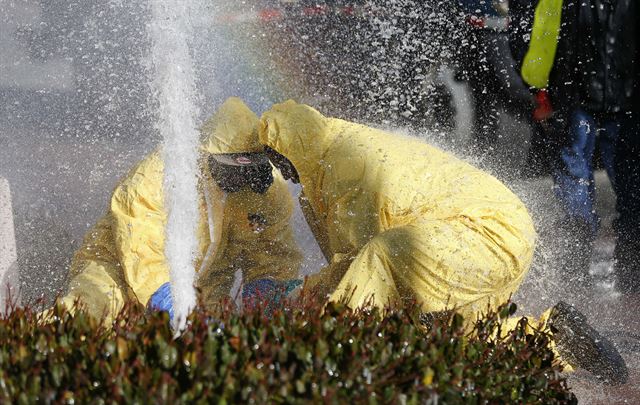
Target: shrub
300, 355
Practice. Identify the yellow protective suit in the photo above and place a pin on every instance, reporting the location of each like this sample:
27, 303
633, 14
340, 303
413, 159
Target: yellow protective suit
399, 219
122, 257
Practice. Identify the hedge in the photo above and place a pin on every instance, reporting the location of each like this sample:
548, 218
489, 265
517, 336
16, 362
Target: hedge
299, 354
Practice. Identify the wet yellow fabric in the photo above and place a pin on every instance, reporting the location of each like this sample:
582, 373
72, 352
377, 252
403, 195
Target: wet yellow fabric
538, 61
399, 219
540, 323
122, 256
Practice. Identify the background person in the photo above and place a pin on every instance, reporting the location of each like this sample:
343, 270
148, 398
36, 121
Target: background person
581, 56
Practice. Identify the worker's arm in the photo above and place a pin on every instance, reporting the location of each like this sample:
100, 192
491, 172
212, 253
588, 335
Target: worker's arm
355, 210
352, 222
96, 279
138, 221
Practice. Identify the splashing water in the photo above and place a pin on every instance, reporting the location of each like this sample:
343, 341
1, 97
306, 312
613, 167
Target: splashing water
175, 91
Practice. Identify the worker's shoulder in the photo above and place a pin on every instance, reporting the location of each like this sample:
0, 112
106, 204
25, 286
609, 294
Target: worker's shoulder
151, 166
151, 162
146, 174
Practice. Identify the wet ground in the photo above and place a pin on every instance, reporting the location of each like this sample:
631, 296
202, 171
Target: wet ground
616, 318
615, 315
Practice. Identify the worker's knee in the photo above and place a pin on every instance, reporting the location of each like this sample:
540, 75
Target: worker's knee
440, 264
447, 263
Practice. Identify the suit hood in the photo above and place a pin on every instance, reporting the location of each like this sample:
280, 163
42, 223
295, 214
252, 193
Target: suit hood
232, 129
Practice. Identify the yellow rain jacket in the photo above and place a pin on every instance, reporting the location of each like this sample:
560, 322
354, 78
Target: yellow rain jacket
122, 256
399, 219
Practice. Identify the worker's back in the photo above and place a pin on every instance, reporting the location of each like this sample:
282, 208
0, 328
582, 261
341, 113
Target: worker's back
409, 175
362, 181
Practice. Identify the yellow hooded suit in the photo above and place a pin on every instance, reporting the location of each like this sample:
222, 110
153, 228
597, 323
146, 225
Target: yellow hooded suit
399, 219
122, 256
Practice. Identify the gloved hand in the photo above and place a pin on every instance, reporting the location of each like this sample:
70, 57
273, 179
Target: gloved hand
263, 290
269, 291
543, 109
161, 300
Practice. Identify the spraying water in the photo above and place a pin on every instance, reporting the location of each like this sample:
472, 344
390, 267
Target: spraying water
175, 88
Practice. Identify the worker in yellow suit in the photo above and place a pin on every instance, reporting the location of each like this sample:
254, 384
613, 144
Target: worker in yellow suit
122, 256
399, 220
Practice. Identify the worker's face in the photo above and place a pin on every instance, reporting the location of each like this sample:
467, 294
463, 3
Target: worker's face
237, 171
283, 164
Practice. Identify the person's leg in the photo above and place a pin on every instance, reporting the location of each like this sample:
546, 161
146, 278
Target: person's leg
574, 188
544, 145
464, 265
627, 226
609, 135
573, 173
441, 264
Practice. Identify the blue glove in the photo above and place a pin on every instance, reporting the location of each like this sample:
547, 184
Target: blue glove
161, 300
269, 291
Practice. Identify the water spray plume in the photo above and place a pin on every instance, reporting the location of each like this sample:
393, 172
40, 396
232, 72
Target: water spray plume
175, 90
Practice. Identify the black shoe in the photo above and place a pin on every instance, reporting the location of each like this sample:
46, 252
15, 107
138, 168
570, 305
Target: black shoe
582, 346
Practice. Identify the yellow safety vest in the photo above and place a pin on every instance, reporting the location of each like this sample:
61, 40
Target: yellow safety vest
539, 59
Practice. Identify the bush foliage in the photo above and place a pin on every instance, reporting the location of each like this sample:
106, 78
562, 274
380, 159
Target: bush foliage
300, 355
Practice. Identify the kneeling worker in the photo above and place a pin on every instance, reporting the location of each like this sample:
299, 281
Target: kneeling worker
399, 220
245, 212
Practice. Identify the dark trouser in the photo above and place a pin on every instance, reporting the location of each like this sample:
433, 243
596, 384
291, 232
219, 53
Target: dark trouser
573, 175
574, 171
627, 184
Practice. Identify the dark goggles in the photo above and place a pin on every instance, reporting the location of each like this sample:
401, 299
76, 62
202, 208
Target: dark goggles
234, 171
